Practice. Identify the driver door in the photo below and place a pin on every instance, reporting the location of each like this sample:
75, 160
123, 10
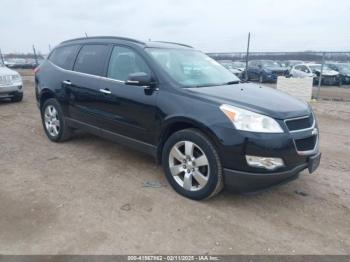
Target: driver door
127, 110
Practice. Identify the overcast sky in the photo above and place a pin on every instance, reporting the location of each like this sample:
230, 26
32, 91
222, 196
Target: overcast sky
212, 26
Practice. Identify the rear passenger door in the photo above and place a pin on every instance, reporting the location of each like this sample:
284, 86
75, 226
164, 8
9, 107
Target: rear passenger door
83, 83
127, 110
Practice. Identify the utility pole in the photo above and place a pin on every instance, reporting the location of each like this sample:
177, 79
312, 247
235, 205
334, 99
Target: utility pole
2, 58
246, 58
320, 78
36, 58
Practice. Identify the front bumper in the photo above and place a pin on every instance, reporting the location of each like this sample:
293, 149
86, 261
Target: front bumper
297, 149
9, 91
246, 182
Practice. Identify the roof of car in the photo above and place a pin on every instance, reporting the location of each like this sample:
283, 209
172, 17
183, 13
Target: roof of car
116, 39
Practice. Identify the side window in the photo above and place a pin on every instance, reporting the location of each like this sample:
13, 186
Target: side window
125, 61
64, 56
92, 59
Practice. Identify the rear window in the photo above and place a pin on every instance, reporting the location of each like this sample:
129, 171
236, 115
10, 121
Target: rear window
64, 56
92, 59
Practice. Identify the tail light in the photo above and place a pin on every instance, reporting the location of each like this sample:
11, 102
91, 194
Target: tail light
36, 70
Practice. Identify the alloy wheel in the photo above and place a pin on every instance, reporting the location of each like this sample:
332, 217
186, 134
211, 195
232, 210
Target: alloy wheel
52, 123
189, 165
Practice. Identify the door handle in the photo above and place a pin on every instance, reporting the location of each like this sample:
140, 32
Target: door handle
67, 82
105, 91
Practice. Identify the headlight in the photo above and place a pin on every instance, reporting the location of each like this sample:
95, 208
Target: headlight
249, 121
16, 78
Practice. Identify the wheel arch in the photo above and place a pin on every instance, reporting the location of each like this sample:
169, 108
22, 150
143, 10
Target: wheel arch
180, 123
45, 94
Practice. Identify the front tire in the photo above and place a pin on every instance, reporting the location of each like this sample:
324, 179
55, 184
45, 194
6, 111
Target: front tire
261, 79
192, 165
17, 98
53, 120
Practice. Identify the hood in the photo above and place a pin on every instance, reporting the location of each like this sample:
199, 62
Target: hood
260, 99
275, 68
6, 71
328, 72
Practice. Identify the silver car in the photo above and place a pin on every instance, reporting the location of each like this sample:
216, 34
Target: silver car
10, 84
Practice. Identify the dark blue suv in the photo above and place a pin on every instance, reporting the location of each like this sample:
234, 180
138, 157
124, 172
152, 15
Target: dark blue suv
180, 106
265, 70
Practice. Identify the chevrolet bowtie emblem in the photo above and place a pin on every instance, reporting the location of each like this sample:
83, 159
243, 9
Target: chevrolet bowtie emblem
314, 132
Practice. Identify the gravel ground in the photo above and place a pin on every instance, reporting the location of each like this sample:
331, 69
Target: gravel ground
91, 196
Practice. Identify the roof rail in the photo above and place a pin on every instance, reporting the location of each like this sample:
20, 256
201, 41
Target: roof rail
174, 43
104, 37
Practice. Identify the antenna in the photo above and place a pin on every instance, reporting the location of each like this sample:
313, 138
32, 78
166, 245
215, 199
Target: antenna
86, 35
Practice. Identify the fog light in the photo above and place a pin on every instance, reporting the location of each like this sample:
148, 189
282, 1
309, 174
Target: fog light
269, 163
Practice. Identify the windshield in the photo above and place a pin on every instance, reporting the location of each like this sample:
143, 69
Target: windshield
344, 67
270, 63
192, 68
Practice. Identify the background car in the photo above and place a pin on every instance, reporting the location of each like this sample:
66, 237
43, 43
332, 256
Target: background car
343, 69
10, 84
265, 70
228, 64
329, 76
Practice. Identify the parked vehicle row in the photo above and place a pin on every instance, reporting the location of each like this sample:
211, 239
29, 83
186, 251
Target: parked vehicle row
269, 70
22, 63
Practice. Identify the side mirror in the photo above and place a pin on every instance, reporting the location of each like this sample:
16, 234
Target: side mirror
139, 79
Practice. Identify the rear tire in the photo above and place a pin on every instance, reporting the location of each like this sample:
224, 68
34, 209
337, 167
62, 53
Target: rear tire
192, 165
54, 123
340, 82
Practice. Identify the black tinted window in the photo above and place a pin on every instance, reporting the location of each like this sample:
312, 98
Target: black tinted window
64, 56
92, 59
125, 61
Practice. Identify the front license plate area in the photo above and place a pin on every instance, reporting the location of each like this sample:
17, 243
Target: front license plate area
314, 162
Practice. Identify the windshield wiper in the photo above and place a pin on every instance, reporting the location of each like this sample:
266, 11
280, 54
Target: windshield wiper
223, 84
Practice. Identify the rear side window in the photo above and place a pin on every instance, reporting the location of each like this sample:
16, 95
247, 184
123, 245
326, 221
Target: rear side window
125, 61
64, 56
92, 59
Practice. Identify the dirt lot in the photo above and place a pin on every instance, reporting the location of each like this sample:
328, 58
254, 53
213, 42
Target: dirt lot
88, 196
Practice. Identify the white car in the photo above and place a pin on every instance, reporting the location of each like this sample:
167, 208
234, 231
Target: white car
10, 84
329, 76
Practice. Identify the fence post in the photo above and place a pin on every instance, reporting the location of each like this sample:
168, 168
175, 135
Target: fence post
246, 58
2, 58
320, 78
36, 58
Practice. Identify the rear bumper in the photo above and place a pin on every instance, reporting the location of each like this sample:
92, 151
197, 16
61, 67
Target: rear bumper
247, 182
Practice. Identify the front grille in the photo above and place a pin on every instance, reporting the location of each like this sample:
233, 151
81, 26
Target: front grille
279, 73
5, 80
329, 79
306, 144
300, 123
